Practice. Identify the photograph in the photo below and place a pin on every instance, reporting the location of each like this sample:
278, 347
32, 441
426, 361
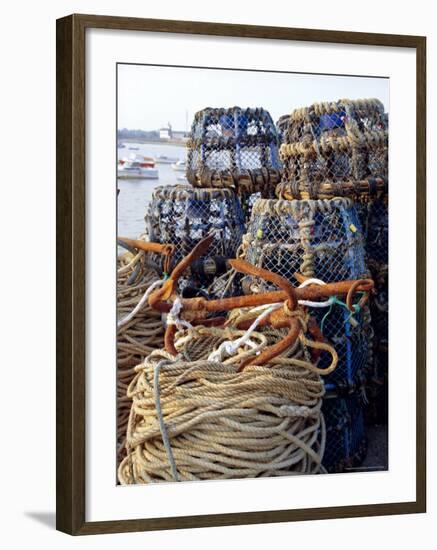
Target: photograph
252, 266
223, 317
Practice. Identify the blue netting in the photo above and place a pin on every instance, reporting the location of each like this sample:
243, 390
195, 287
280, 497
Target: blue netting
235, 148
345, 433
352, 339
182, 216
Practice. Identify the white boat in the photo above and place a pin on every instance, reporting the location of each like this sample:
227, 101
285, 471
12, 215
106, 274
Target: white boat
179, 166
137, 167
164, 159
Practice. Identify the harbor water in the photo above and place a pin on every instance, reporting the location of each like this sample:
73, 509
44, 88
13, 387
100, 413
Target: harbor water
135, 194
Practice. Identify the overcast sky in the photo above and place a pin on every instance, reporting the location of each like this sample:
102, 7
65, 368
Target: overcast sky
150, 97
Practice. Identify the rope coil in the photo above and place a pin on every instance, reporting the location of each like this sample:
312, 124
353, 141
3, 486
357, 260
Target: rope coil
213, 422
139, 330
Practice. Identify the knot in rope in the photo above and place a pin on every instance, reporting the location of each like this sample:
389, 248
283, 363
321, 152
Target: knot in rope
173, 315
230, 347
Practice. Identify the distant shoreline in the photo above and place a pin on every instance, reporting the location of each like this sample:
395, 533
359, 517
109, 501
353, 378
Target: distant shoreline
177, 142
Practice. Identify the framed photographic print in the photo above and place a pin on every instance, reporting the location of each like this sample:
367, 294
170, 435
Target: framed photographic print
241, 308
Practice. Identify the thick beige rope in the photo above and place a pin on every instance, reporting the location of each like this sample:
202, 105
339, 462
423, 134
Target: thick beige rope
138, 337
322, 108
327, 144
211, 422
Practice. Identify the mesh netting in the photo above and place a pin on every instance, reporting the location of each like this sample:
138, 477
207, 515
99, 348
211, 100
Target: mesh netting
345, 433
334, 149
377, 234
377, 259
235, 148
375, 214
182, 216
247, 203
352, 338
321, 239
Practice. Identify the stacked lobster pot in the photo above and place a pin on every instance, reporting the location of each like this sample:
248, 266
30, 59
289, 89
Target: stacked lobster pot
310, 241
377, 258
237, 149
183, 216
232, 155
334, 158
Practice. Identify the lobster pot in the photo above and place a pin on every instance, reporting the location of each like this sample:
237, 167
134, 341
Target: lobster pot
373, 215
377, 233
235, 148
376, 214
353, 341
321, 239
182, 216
377, 258
334, 149
345, 433
377, 250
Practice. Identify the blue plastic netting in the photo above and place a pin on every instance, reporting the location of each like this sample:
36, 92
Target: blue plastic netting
235, 148
182, 216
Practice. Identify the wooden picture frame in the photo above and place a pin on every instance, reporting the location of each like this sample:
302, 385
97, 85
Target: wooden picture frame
71, 246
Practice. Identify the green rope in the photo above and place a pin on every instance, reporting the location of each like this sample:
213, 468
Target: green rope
328, 313
336, 301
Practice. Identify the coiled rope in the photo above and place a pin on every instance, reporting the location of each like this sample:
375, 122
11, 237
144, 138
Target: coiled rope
140, 332
200, 419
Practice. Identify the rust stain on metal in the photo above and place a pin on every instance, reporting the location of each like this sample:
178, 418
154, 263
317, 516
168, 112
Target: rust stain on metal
166, 250
280, 282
